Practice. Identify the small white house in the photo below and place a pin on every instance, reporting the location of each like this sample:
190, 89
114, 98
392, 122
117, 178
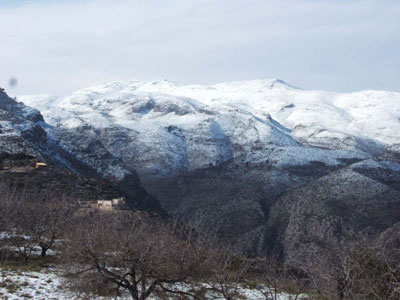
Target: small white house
111, 204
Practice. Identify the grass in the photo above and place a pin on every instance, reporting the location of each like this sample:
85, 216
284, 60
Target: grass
35, 264
12, 287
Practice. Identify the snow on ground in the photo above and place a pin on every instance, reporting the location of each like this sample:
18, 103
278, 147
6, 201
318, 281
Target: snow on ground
51, 285
32, 285
8, 129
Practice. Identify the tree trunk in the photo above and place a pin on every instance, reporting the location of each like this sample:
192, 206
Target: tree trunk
340, 288
43, 252
25, 258
134, 294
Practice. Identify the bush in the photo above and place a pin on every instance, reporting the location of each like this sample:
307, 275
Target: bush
357, 272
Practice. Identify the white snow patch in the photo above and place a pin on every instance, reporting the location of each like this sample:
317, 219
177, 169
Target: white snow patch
50, 284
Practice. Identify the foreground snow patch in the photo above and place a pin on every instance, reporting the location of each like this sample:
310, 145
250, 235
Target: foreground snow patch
51, 285
32, 285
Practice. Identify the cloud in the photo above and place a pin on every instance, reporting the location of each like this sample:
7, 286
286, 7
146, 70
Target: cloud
58, 47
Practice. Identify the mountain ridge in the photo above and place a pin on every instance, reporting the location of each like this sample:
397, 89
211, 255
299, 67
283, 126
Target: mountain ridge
173, 114
240, 160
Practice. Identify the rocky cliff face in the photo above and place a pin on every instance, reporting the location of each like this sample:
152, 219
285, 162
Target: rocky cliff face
20, 127
269, 167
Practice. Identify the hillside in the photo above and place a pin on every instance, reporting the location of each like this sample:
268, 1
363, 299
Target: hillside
265, 165
24, 142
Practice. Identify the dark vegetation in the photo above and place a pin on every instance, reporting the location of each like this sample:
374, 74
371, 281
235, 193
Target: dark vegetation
17, 171
109, 253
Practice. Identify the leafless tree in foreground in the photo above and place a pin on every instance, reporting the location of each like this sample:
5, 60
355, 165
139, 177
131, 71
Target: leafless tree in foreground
33, 220
51, 221
148, 257
142, 256
272, 278
357, 272
227, 274
15, 220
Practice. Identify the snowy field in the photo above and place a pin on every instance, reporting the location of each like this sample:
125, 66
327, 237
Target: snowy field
33, 285
51, 285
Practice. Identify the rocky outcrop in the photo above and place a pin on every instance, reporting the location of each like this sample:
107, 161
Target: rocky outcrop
265, 210
341, 207
20, 127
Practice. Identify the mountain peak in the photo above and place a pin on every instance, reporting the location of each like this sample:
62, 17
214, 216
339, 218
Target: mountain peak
280, 82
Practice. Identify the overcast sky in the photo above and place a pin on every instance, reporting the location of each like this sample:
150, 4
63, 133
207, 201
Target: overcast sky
58, 46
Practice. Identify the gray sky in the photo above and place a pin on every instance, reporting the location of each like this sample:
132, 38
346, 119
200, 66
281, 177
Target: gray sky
59, 46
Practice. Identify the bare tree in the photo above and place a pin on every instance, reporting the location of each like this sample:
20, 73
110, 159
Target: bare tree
30, 221
12, 204
136, 253
355, 272
272, 278
229, 271
51, 221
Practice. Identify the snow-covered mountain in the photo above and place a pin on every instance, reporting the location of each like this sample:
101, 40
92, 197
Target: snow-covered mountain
162, 128
269, 167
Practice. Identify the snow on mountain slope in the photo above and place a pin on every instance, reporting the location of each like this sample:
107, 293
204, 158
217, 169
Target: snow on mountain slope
240, 159
20, 127
161, 128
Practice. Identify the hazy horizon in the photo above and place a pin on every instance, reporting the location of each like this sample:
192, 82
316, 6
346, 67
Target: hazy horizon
58, 47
